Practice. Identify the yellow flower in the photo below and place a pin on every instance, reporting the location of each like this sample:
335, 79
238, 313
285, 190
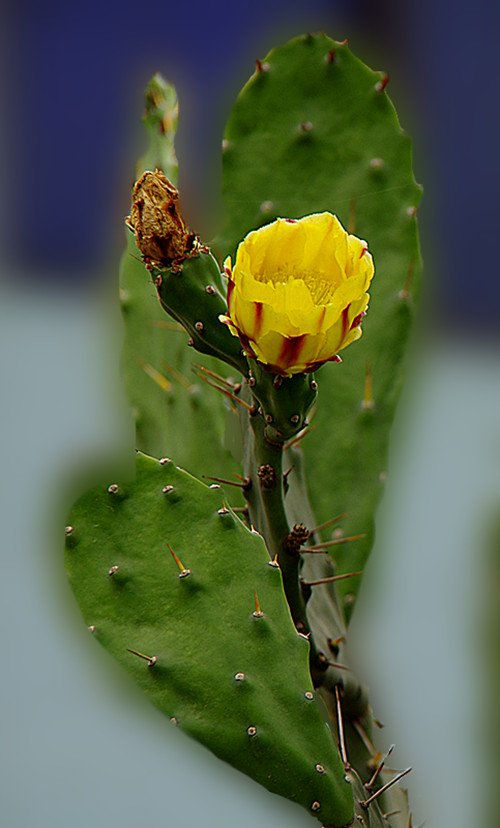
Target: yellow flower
297, 292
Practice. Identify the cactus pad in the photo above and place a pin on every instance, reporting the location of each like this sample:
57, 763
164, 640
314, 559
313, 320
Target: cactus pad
165, 576
334, 143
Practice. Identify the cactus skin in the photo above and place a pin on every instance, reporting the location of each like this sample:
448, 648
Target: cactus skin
188, 624
337, 145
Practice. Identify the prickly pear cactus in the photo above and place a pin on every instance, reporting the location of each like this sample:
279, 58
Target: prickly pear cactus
230, 351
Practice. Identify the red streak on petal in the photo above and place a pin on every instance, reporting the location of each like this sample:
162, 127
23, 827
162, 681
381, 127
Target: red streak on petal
290, 350
345, 323
258, 319
321, 318
357, 320
230, 289
365, 250
291, 221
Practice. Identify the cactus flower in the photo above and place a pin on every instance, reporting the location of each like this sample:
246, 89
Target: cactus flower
297, 292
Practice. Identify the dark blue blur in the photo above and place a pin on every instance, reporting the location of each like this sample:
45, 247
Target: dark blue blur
74, 74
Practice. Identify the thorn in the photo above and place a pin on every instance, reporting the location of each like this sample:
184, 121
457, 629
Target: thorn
382, 83
340, 725
332, 579
274, 562
351, 224
379, 768
261, 66
183, 571
112, 570
161, 381
215, 376
285, 475
368, 402
252, 731
394, 813
320, 547
241, 510
166, 325
150, 659
330, 56
364, 737
365, 803
405, 293
245, 485
338, 665
299, 437
329, 523
181, 379
257, 612
233, 397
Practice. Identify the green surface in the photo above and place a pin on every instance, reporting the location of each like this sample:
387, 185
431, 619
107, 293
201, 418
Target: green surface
351, 157
202, 631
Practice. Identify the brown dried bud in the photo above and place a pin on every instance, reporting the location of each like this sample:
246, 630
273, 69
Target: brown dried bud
296, 538
267, 475
161, 233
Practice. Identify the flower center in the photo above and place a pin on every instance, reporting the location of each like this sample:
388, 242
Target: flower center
320, 288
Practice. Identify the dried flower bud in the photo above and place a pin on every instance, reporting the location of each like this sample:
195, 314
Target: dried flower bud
161, 233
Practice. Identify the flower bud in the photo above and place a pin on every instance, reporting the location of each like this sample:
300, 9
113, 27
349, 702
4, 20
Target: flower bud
161, 233
297, 292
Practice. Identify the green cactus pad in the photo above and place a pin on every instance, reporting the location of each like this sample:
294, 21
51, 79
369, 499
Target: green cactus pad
233, 677
334, 143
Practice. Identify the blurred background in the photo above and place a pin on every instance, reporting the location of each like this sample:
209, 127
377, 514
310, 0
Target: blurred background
79, 746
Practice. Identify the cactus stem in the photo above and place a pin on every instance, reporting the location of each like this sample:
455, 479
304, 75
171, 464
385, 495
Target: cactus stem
150, 659
405, 293
320, 547
183, 572
258, 611
379, 767
157, 377
331, 579
368, 402
245, 485
340, 725
366, 802
329, 523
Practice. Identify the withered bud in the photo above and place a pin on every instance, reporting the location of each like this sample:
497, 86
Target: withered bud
267, 475
296, 538
161, 233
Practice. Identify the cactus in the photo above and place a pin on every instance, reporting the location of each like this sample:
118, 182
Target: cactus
274, 581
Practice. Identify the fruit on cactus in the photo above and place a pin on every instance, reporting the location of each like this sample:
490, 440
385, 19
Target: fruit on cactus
298, 291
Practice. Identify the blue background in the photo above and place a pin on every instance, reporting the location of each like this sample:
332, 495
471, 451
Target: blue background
74, 75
